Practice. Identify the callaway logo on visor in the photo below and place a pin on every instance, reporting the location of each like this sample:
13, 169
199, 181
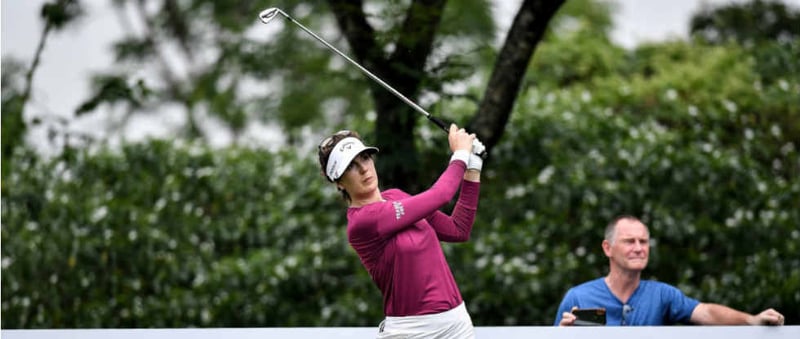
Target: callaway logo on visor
347, 145
341, 149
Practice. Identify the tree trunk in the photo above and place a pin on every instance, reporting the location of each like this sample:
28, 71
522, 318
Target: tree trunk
528, 28
404, 70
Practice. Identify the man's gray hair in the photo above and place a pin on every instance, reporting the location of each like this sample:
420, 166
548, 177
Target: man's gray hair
611, 228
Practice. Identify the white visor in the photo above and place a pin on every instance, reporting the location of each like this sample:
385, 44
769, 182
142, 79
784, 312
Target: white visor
342, 154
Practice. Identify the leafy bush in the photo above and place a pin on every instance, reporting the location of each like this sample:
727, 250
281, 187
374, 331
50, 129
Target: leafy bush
689, 137
162, 235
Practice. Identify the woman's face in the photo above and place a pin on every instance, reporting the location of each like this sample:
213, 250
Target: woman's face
360, 178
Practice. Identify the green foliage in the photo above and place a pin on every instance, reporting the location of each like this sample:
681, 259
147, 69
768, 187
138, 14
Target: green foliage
575, 56
699, 140
61, 13
686, 136
238, 70
468, 19
113, 89
692, 138
747, 23
13, 127
161, 235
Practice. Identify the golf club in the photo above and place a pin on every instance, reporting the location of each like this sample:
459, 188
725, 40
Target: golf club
268, 14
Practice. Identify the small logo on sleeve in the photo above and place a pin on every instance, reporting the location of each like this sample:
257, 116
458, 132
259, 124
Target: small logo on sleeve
398, 209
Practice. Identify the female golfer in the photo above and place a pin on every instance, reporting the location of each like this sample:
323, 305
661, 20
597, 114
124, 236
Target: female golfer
397, 235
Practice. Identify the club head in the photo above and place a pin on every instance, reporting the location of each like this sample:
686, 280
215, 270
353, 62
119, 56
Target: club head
266, 15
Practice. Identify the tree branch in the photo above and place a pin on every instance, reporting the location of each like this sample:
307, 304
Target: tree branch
527, 30
358, 32
416, 42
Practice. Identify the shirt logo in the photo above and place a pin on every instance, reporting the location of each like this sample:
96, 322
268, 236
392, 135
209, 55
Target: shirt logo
398, 209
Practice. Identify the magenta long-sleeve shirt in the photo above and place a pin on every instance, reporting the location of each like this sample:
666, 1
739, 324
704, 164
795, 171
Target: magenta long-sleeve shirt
398, 242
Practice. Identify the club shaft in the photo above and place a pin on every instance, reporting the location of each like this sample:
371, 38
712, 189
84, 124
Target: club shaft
416, 107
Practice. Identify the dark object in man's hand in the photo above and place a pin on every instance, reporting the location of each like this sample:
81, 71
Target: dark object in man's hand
590, 316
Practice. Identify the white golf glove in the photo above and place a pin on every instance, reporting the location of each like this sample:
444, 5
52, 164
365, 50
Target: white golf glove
475, 162
477, 146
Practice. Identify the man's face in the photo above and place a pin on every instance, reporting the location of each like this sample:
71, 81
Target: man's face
630, 247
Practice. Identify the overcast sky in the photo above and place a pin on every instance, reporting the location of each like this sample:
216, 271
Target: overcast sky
61, 82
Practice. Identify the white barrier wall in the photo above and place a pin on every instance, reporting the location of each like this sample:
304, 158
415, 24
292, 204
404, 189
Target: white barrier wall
510, 332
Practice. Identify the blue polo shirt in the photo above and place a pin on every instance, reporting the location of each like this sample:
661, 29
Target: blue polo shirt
652, 304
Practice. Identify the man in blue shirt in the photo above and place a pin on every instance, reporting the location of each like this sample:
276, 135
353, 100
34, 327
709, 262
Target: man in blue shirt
630, 301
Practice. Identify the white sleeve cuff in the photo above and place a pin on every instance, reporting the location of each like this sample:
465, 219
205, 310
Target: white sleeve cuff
462, 155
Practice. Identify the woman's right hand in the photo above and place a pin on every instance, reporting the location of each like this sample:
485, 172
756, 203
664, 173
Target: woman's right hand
459, 139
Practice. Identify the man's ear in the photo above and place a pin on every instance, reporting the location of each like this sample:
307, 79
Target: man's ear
607, 248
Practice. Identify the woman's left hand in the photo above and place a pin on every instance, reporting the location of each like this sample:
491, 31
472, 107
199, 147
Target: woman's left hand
459, 139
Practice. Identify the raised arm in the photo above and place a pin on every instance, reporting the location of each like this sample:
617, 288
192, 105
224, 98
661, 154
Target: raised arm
457, 227
388, 218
